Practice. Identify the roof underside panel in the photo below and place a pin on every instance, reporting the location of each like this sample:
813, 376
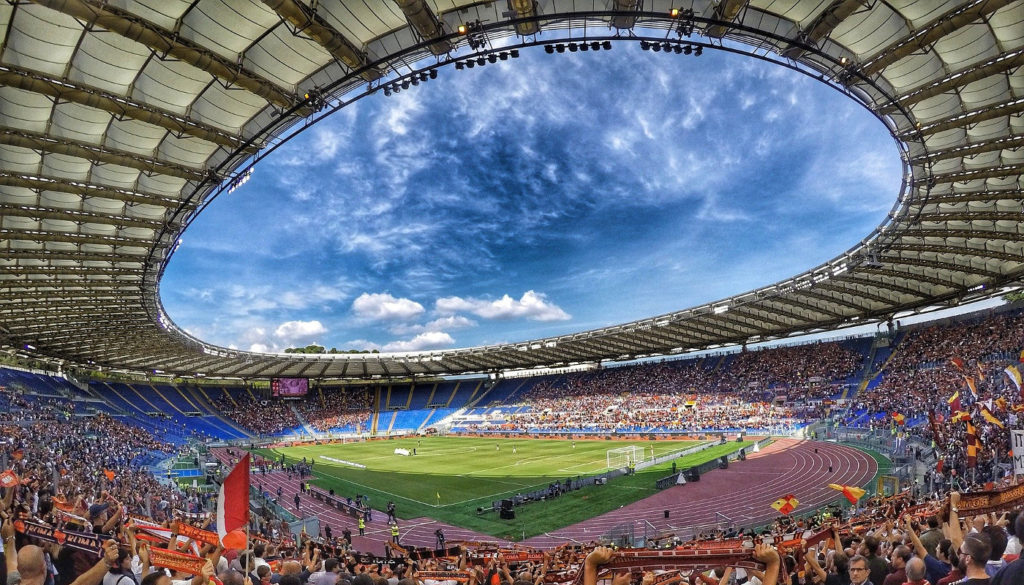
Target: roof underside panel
120, 118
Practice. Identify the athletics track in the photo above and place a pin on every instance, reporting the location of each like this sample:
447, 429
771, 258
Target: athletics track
743, 492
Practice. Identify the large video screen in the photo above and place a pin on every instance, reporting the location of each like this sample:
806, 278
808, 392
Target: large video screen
288, 387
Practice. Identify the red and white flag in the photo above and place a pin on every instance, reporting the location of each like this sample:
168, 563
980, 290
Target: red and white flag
233, 505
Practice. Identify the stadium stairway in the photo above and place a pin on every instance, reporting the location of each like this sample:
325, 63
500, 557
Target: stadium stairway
479, 392
302, 421
201, 399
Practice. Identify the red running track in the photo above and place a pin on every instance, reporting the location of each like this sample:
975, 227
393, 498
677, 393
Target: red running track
743, 492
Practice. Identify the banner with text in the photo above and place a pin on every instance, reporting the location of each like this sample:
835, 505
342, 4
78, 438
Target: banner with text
1017, 438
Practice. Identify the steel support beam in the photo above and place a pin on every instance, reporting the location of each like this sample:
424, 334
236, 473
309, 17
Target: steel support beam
824, 24
926, 36
119, 106
99, 154
164, 42
310, 23
426, 24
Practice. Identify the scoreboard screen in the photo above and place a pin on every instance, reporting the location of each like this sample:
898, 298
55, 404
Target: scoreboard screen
289, 387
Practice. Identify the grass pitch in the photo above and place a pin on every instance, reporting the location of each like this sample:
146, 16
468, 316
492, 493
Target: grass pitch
451, 477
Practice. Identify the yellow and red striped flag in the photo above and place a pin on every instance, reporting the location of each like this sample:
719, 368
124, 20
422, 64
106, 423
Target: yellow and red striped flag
987, 415
954, 402
852, 493
972, 386
972, 446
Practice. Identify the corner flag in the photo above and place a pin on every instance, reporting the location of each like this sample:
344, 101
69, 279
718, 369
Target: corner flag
233, 501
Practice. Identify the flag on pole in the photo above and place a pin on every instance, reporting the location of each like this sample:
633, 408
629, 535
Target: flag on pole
972, 446
954, 402
785, 504
971, 386
233, 504
987, 415
959, 363
1014, 374
981, 373
852, 493
899, 418
960, 416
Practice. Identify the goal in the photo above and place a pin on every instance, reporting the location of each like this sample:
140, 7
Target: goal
622, 456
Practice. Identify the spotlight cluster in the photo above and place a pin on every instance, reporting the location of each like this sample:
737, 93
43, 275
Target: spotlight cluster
482, 60
315, 99
672, 47
474, 34
239, 180
582, 46
414, 79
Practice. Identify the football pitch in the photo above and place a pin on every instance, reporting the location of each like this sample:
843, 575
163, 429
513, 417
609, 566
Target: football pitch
449, 478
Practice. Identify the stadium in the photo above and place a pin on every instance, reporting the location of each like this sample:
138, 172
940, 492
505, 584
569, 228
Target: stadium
857, 416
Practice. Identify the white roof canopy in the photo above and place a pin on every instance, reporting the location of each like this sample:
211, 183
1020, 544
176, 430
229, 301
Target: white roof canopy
119, 119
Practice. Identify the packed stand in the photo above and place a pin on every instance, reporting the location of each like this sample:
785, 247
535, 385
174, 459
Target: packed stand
331, 408
262, 416
688, 395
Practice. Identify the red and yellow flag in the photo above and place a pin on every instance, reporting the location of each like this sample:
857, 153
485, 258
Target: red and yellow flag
972, 386
972, 446
852, 493
987, 415
954, 402
899, 418
981, 373
785, 504
959, 363
960, 416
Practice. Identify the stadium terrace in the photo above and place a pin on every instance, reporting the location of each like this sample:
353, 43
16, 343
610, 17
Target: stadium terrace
134, 453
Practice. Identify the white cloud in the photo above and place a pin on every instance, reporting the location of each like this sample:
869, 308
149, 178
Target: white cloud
299, 331
426, 340
360, 344
533, 306
325, 143
440, 324
383, 306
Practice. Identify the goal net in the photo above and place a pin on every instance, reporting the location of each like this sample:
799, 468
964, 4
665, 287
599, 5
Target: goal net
622, 456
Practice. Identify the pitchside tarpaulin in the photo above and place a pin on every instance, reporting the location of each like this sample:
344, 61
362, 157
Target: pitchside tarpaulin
1018, 451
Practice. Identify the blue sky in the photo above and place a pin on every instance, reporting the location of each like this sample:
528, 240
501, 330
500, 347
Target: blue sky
534, 197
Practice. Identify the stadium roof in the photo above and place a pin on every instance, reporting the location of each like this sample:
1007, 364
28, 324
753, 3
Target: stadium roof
119, 120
